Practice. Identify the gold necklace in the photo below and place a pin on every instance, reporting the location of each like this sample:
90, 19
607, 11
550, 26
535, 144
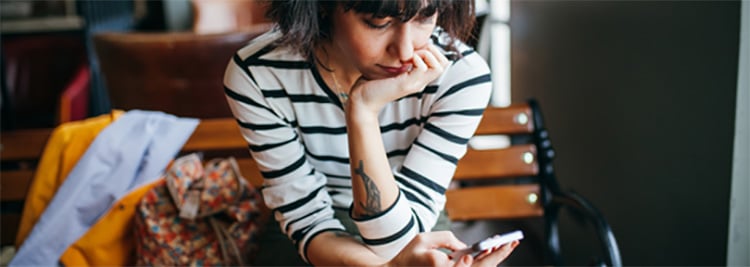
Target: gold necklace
343, 97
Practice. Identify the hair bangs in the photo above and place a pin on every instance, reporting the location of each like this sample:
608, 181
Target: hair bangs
403, 10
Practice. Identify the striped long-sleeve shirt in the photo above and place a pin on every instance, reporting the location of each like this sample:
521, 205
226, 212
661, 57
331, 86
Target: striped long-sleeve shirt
296, 130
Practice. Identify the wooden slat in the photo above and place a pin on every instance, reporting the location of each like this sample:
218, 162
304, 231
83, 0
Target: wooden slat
498, 201
15, 184
216, 134
23, 144
496, 163
24, 148
505, 120
493, 202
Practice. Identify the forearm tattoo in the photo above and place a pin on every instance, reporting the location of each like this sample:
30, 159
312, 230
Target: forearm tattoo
371, 206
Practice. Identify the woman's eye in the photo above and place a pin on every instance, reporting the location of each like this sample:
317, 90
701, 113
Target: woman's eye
377, 24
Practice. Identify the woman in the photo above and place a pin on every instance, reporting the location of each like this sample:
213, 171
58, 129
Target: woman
356, 112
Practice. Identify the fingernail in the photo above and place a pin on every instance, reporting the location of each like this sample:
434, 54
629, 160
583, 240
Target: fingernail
465, 259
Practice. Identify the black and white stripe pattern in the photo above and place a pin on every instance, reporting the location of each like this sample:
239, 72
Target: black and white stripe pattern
296, 131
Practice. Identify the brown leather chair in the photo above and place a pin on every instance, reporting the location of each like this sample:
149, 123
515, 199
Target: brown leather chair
178, 73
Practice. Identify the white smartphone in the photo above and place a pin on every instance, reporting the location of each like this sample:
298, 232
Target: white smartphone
488, 243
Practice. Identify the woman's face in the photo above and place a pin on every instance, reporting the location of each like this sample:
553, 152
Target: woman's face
379, 47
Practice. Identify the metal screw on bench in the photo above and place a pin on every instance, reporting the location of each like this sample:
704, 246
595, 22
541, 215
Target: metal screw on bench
532, 198
521, 118
528, 157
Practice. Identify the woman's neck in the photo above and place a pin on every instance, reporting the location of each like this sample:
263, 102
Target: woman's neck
336, 71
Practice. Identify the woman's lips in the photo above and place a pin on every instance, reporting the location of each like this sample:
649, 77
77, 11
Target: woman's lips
397, 70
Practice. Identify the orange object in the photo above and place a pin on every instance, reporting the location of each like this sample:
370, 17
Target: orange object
65, 147
109, 242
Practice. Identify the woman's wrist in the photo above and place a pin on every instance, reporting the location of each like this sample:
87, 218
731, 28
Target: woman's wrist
357, 112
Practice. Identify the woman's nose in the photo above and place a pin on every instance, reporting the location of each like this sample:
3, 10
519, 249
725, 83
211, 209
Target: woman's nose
402, 45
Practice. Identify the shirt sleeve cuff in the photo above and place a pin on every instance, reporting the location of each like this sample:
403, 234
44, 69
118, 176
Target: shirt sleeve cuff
387, 233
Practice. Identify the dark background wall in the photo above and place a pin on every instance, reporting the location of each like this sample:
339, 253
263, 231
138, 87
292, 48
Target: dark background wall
639, 97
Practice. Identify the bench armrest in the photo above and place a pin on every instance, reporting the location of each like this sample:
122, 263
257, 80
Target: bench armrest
580, 204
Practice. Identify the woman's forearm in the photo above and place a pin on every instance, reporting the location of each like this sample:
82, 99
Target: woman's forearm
373, 186
335, 248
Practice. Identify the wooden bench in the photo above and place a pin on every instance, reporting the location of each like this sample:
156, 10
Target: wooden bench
515, 181
19, 152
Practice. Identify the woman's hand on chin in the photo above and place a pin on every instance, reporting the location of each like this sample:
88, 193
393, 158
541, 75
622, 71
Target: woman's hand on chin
371, 95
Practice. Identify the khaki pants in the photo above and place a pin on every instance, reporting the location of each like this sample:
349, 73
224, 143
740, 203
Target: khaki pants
277, 250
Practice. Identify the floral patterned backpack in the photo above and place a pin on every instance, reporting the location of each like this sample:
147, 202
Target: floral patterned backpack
198, 216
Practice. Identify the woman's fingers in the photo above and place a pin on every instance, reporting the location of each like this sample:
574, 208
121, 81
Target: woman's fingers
423, 250
430, 59
441, 59
445, 240
494, 257
432, 62
464, 261
434, 59
419, 64
426, 67
439, 239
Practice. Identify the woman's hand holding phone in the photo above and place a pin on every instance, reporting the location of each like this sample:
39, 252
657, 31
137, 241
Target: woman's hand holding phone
423, 250
489, 243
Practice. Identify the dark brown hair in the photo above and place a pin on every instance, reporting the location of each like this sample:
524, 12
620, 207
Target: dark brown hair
305, 23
